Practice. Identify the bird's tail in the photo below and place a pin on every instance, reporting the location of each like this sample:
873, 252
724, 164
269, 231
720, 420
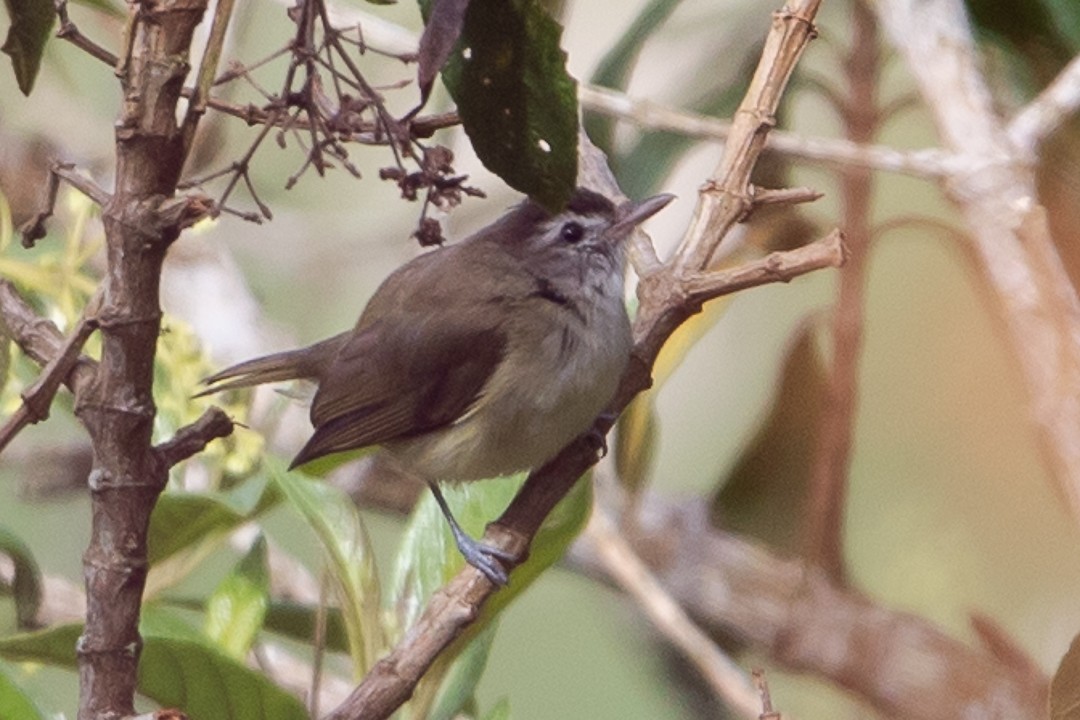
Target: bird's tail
304, 363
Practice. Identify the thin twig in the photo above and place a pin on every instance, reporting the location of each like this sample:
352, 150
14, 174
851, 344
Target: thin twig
34, 228
70, 32
192, 439
37, 399
1048, 111
619, 561
207, 71
648, 115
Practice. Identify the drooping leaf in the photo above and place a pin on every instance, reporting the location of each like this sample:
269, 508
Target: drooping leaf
762, 496
178, 672
518, 105
1065, 687
236, 609
15, 703
26, 584
31, 24
333, 518
441, 32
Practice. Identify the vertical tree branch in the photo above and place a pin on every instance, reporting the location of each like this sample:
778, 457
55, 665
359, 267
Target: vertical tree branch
995, 191
119, 409
823, 539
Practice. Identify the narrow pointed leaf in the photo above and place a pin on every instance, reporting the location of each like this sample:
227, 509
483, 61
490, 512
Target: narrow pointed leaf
31, 25
763, 495
428, 558
441, 32
333, 518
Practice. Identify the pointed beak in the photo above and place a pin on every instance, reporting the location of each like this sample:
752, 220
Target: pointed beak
631, 214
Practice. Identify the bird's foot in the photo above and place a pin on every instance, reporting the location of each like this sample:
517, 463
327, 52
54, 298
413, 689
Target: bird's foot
484, 558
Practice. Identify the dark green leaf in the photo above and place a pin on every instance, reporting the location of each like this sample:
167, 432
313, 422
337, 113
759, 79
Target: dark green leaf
26, 585
15, 704
237, 607
298, 621
182, 519
1065, 687
763, 496
517, 103
31, 24
178, 672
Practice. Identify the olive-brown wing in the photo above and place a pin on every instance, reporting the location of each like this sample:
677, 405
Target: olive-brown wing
401, 379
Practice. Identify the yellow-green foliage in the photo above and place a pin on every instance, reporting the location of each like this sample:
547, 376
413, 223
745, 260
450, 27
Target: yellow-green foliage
59, 276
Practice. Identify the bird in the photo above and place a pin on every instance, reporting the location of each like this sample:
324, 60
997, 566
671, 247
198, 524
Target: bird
477, 359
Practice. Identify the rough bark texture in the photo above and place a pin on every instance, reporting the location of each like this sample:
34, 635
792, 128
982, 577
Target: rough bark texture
118, 410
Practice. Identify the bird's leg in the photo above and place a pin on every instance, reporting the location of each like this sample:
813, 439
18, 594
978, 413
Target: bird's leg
484, 558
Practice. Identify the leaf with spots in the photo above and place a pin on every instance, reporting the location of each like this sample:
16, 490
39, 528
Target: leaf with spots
518, 105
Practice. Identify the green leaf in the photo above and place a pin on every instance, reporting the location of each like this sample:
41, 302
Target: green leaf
208, 685
55, 646
618, 64
428, 558
298, 621
762, 496
333, 518
1065, 687
518, 105
182, 519
31, 24
15, 704
178, 672
236, 609
26, 585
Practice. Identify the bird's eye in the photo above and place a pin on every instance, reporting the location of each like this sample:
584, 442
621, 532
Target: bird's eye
571, 232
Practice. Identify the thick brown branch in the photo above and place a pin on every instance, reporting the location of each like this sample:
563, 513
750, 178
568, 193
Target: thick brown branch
803, 621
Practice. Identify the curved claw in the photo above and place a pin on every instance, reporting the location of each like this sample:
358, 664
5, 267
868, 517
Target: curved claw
484, 558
